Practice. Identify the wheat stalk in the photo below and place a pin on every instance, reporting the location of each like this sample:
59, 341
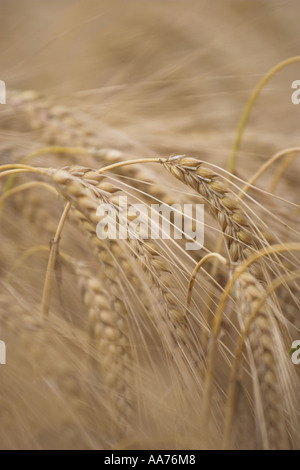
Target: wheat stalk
263, 348
234, 223
109, 330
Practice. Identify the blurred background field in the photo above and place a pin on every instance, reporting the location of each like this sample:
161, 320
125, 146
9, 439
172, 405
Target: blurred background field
168, 76
148, 78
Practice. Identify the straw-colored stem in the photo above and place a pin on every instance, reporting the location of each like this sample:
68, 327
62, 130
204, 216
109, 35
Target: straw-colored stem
114, 166
196, 270
219, 314
45, 304
249, 105
265, 167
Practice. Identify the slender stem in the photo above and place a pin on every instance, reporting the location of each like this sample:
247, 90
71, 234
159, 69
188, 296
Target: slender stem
40, 171
55, 149
45, 304
195, 271
11, 172
280, 170
27, 254
23, 187
249, 105
209, 295
130, 162
218, 319
242, 268
22, 258
9, 166
265, 167
45, 151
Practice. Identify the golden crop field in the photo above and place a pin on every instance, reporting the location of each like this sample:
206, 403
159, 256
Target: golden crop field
118, 337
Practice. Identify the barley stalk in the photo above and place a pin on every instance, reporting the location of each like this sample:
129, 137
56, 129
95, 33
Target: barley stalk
262, 347
82, 187
236, 227
109, 330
